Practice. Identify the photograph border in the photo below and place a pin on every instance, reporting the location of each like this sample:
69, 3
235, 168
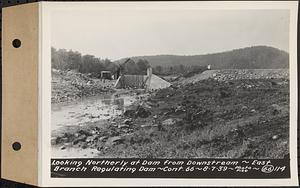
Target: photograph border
46, 9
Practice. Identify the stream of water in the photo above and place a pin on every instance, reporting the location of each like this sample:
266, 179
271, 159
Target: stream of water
83, 111
90, 109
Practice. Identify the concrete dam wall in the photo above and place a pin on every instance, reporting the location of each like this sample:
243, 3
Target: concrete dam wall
149, 81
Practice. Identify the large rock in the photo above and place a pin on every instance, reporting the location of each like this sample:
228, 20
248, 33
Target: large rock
85, 132
128, 121
92, 138
114, 140
123, 126
169, 121
81, 138
142, 112
53, 140
275, 109
129, 113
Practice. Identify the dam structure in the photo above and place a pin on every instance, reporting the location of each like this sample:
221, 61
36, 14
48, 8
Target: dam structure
148, 82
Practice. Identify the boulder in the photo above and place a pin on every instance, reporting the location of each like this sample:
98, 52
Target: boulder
91, 138
63, 148
123, 126
244, 108
275, 109
114, 140
275, 137
128, 121
60, 140
81, 138
149, 125
102, 138
129, 113
84, 132
53, 141
142, 112
169, 121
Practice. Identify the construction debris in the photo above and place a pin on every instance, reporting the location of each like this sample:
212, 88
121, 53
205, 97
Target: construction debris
209, 118
71, 85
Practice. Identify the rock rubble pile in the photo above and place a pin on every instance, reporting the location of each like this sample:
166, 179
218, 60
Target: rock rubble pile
239, 74
70, 85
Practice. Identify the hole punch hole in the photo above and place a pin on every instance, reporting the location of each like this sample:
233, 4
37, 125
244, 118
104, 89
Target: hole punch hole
16, 43
16, 146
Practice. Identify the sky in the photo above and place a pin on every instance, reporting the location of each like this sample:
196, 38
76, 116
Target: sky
116, 34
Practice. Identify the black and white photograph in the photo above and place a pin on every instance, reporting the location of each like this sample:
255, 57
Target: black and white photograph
159, 83
150, 93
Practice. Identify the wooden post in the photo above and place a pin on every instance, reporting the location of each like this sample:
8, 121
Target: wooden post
149, 75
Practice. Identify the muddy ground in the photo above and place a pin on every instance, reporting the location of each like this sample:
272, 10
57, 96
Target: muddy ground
209, 118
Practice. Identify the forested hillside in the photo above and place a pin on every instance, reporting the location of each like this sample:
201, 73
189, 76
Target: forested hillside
257, 57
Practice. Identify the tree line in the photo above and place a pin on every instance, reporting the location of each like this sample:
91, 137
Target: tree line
255, 57
63, 59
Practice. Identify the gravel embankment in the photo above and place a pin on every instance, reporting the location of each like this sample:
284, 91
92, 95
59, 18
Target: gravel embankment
239, 74
69, 86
